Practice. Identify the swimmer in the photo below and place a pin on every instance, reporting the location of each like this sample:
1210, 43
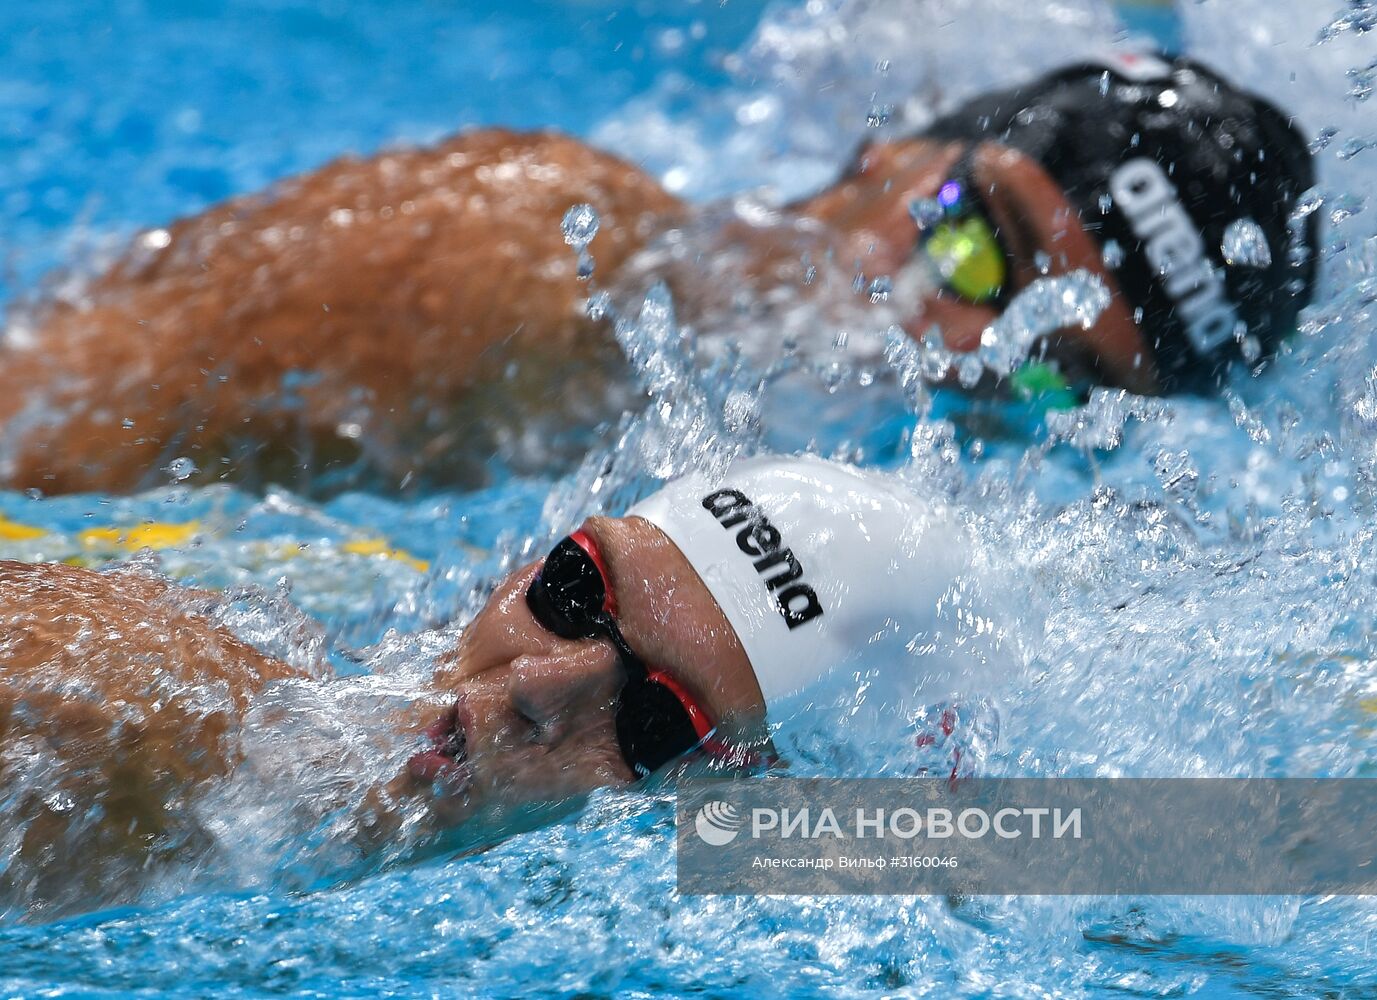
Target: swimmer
711, 619
401, 316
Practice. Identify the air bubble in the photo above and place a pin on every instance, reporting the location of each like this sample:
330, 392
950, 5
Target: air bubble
1245, 245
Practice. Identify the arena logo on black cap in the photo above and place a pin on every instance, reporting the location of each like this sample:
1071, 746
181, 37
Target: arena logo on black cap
1176, 252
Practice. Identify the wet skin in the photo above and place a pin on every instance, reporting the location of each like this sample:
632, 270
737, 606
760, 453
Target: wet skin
136, 694
406, 313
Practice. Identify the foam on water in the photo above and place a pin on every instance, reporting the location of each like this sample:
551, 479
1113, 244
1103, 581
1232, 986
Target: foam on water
1196, 595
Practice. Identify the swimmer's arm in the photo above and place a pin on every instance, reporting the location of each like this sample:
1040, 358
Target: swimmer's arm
347, 310
118, 699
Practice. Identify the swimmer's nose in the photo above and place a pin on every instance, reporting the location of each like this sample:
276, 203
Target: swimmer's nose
553, 692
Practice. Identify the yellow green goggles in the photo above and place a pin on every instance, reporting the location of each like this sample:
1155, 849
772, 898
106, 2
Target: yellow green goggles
959, 241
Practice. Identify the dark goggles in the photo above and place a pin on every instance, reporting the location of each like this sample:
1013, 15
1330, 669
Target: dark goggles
958, 239
657, 720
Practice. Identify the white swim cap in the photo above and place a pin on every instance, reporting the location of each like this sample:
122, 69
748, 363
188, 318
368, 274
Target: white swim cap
820, 566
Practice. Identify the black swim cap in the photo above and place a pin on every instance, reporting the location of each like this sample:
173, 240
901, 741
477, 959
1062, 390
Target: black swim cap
1160, 156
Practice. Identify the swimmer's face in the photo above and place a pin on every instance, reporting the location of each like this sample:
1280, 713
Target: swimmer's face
1030, 212
532, 721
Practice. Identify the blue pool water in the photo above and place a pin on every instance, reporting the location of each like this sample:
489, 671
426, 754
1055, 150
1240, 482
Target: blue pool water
1201, 567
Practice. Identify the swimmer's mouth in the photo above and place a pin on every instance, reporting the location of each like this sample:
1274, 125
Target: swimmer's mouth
446, 760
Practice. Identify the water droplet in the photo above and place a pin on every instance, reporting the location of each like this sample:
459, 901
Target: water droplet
1106, 202
1365, 406
580, 225
1075, 299
586, 264
810, 275
1323, 139
1345, 207
926, 212
34, 493
1306, 205
671, 41
180, 469
1251, 349
1245, 245
1104, 83
741, 411
1177, 473
1112, 255
1364, 82
880, 288
968, 371
155, 239
1043, 261
599, 305
1352, 148
879, 115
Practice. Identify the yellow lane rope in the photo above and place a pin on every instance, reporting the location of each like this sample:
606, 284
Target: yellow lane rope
169, 535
